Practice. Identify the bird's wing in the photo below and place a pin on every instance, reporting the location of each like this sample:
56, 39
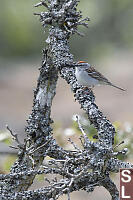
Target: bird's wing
97, 75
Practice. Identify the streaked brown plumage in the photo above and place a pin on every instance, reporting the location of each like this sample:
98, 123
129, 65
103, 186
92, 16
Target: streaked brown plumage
88, 76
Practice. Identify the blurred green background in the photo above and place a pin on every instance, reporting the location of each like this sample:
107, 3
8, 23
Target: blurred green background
108, 44
111, 27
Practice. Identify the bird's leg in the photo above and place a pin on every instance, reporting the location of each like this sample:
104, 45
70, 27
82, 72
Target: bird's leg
87, 89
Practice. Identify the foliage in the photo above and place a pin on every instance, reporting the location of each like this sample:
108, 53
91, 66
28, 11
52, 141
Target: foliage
123, 133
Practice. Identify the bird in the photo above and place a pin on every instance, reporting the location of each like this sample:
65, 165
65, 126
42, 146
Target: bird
89, 77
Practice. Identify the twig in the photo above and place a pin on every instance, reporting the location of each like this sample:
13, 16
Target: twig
15, 137
42, 3
68, 195
80, 127
38, 148
13, 147
122, 142
74, 145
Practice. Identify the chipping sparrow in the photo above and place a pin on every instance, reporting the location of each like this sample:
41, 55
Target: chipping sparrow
87, 76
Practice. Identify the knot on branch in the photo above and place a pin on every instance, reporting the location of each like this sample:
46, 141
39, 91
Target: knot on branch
63, 14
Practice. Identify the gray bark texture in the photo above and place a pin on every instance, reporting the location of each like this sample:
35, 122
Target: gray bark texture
80, 169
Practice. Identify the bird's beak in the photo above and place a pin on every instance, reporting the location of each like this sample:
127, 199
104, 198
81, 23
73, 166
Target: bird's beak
77, 64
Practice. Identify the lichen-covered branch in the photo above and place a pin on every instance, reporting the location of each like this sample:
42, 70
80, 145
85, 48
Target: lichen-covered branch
81, 169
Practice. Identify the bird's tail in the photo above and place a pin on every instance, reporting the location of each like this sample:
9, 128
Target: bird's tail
117, 87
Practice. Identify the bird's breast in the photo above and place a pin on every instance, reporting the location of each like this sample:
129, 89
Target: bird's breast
84, 79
